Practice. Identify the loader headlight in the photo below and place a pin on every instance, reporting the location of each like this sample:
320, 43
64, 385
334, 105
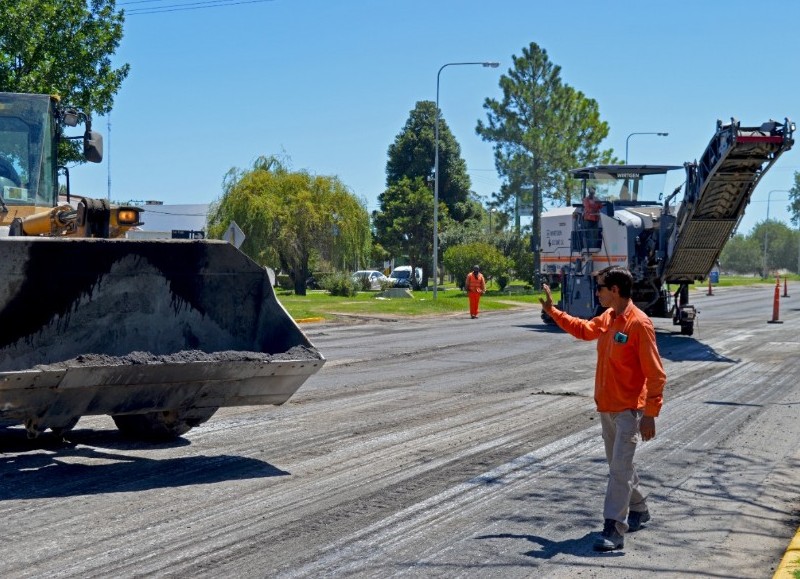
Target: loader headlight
128, 217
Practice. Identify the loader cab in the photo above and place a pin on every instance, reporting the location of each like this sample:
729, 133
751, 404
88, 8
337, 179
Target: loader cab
30, 129
27, 150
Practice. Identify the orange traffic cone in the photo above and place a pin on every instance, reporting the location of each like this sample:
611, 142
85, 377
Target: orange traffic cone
710, 291
786, 287
776, 303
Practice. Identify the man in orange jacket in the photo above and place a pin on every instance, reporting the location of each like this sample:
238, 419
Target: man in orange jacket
628, 388
475, 286
591, 219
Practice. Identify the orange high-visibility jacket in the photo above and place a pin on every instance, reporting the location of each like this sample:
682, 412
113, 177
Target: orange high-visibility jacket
474, 284
591, 209
629, 370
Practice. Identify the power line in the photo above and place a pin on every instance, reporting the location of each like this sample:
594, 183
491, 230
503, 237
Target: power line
156, 212
181, 7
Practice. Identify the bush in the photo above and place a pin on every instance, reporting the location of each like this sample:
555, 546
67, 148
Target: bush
502, 280
459, 260
363, 284
339, 284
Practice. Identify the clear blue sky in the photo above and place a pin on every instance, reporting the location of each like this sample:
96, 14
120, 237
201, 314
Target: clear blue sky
330, 84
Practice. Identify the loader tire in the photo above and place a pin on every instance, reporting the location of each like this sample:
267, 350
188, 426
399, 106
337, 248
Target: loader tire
60, 430
163, 425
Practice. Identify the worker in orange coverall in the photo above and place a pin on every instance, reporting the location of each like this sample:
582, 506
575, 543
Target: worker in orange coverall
476, 287
628, 386
591, 219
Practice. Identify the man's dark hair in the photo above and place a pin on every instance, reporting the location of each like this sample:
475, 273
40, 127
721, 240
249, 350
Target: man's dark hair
618, 276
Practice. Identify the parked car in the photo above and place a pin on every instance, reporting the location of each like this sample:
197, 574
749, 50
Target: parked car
401, 276
375, 278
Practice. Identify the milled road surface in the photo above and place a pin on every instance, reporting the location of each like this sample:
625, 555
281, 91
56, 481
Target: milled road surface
444, 447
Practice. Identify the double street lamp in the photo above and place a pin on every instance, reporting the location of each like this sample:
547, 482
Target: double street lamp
629, 137
436, 170
766, 227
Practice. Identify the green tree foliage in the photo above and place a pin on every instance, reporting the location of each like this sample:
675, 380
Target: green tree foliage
541, 128
412, 155
62, 47
459, 260
781, 243
741, 254
289, 217
404, 224
794, 200
455, 233
517, 249
410, 172
745, 254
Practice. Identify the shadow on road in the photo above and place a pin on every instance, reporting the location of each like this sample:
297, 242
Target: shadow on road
49, 467
672, 346
580, 547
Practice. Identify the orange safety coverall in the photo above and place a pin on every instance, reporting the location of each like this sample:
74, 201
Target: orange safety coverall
591, 209
629, 374
475, 286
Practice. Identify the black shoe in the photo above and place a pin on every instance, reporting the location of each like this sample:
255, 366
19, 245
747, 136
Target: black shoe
610, 538
636, 519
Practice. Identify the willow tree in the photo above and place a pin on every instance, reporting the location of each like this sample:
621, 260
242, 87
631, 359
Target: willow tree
289, 216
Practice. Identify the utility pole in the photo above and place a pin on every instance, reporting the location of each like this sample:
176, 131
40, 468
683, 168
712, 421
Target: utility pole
108, 157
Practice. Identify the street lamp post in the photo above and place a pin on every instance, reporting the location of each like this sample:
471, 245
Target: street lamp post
436, 170
766, 229
629, 137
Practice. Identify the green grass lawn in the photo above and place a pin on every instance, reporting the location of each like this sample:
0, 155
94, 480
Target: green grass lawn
319, 305
734, 280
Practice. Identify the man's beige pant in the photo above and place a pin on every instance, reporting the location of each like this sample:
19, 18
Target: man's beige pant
620, 435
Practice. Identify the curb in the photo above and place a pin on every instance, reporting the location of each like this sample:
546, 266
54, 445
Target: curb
790, 564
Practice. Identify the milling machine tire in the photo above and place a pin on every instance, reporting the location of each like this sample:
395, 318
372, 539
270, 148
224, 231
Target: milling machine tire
163, 425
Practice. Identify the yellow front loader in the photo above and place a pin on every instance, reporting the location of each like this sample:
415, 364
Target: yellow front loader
157, 334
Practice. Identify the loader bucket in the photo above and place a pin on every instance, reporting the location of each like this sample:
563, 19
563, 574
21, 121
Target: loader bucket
166, 328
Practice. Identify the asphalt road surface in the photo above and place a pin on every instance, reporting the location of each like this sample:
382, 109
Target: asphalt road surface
444, 447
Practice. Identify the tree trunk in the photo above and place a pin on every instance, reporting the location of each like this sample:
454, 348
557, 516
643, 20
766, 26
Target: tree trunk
300, 277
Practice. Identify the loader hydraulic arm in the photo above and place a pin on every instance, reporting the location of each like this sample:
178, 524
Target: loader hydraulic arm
57, 221
92, 218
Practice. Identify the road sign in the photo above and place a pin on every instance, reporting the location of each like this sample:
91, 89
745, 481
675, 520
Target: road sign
234, 235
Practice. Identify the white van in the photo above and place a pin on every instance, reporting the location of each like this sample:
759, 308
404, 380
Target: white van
401, 276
